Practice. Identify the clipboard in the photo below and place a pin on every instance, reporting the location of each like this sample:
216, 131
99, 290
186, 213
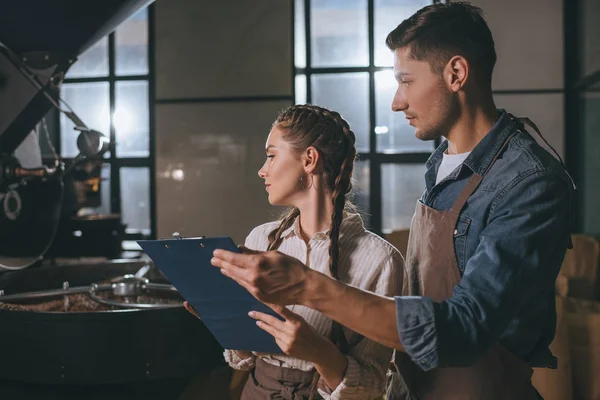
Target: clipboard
220, 302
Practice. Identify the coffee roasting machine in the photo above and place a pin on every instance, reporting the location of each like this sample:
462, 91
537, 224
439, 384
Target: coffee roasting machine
113, 329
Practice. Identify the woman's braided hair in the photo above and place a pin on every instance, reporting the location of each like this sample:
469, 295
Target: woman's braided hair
309, 125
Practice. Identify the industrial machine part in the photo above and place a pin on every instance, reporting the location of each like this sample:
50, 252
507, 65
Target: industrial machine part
109, 329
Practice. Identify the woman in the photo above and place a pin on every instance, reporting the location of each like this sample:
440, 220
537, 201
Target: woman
310, 158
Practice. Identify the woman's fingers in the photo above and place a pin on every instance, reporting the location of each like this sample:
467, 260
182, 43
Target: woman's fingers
190, 309
268, 319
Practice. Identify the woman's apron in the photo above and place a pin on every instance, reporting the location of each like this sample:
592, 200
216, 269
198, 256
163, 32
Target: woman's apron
270, 382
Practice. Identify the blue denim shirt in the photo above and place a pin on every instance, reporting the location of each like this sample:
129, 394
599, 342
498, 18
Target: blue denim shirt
510, 241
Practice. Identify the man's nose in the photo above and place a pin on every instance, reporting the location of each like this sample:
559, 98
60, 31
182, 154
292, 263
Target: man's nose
399, 102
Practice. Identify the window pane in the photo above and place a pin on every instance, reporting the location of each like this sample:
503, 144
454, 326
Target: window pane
394, 134
131, 119
402, 186
388, 15
135, 199
299, 35
90, 102
347, 94
339, 33
360, 188
300, 89
131, 45
92, 63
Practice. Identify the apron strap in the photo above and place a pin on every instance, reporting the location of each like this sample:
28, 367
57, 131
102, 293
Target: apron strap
526, 121
465, 193
476, 179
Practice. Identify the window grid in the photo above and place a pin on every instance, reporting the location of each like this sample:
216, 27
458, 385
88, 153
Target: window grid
117, 163
376, 159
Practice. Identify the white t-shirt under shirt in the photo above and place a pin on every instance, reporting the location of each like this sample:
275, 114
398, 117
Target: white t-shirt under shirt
449, 163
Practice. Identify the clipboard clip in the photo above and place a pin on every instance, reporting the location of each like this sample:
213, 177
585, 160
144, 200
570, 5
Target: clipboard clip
176, 235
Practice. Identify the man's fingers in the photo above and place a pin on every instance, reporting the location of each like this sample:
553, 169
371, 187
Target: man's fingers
229, 257
230, 269
246, 250
240, 276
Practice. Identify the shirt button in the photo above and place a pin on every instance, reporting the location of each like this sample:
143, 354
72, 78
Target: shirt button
455, 231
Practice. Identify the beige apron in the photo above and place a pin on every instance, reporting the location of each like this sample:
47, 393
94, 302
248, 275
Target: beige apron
432, 271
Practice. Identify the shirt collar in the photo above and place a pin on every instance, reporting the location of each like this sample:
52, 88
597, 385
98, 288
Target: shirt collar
481, 156
352, 224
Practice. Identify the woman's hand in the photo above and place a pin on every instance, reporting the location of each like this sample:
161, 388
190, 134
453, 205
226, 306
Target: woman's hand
298, 339
294, 336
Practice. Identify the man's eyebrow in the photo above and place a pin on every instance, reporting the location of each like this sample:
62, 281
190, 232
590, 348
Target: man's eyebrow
401, 75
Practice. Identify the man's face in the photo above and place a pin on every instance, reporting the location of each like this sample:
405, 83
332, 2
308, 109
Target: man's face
422, 94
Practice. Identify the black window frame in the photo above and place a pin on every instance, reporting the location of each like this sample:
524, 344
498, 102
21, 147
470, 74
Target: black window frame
376, 159
115, 162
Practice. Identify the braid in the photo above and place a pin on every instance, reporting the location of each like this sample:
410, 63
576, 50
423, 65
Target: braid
286, 221
342, 186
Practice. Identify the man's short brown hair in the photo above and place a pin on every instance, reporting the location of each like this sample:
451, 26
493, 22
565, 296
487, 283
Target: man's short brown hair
438, 32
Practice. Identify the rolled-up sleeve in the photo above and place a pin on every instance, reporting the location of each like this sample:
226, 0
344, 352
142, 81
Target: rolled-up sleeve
236, 362
368, 361
515, 264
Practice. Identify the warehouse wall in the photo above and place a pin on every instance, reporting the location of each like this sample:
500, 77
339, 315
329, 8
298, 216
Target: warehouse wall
223, 72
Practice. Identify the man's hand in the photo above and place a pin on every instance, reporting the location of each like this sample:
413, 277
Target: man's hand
275, 278
271, 277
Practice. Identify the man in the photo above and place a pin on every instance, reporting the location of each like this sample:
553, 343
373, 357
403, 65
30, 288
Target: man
487, 239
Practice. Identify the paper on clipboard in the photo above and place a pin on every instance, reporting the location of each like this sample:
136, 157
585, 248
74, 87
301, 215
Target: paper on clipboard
220, 302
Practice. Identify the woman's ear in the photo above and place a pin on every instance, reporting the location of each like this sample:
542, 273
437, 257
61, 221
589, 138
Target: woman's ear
311, 160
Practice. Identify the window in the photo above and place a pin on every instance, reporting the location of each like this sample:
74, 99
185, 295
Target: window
109, 88
341, 62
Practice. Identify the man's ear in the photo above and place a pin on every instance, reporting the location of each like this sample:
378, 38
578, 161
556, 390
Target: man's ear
456, 73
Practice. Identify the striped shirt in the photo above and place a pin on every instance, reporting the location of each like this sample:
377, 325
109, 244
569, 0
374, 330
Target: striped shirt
367, 262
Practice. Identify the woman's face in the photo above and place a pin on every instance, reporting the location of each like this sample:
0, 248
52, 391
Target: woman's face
282, 171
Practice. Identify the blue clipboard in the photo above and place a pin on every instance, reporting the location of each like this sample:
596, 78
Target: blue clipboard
220, 302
